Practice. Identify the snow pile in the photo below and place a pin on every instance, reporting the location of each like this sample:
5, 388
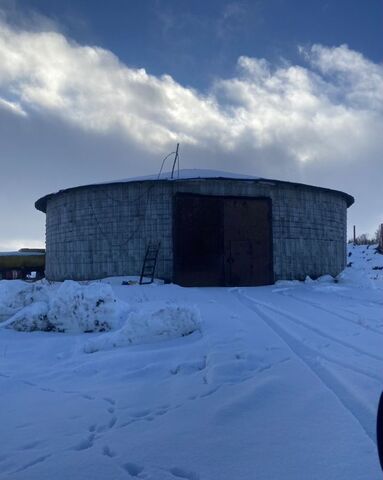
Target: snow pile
76, 308
326, 279
16, 294
364, 267
69, 308
31, 318
164, 323
86, 308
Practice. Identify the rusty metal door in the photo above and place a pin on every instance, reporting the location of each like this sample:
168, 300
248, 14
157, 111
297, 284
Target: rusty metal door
248, 241
222, 241
198, 240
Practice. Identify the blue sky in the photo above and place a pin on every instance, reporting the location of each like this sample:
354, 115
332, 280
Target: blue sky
197, 40
91, 91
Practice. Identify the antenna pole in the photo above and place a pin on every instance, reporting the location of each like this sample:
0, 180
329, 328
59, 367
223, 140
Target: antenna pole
175, 160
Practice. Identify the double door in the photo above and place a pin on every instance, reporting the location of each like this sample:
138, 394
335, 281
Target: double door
222, 241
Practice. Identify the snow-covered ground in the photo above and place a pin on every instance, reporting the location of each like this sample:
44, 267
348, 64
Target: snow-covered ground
266, 383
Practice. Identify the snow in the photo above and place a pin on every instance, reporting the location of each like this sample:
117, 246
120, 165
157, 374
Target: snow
183, 174
69, 307
21, 254
74, 307
86, 308
161, 323
16, 294
275, 382
188, 174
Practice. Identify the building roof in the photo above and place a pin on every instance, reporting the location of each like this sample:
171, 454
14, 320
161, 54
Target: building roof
31, 253
188, 174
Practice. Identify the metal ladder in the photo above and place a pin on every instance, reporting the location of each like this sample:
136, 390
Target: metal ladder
150, 262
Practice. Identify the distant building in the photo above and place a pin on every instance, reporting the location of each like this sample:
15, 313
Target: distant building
215, 228
23, 264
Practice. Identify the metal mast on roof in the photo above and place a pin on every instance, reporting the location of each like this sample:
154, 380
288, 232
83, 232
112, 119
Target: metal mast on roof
176, 157
175, 160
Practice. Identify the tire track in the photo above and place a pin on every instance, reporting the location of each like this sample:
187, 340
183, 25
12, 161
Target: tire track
314, 329
366, 303
319, 353
335, 314
309, 357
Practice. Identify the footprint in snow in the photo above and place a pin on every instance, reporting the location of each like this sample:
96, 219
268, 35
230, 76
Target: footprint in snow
181, 473
108, 452
133, 469
189, 367
161, 411
112, 422
140, 413
27, 382
85, 443
29, 445
88, 397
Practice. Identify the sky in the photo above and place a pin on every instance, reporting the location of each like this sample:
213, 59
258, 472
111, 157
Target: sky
92, 91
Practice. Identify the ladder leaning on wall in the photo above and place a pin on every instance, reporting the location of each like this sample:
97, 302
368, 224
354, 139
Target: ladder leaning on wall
150, 262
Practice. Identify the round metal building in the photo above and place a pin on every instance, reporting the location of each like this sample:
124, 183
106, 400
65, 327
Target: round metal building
212, 228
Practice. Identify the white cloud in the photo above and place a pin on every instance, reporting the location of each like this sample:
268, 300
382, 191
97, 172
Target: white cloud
359, 82
309, 111
12, 107
319, 123
90, 87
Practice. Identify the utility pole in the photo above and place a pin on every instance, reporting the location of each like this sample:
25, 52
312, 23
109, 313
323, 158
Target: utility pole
354, 235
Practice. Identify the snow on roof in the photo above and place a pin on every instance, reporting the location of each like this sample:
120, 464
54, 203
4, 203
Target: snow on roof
186, 174
21, 254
